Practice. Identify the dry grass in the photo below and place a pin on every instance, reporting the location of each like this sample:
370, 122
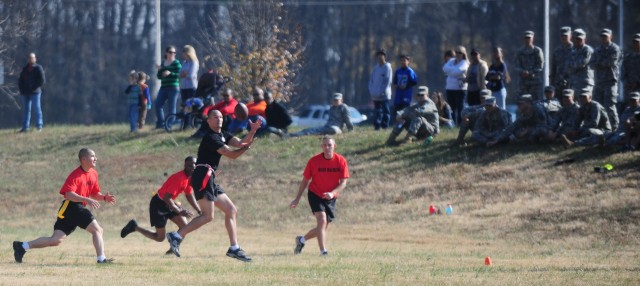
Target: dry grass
540, 223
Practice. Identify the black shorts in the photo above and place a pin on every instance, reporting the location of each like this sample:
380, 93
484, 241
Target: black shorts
319, 204
159, 212
72, 215
211, 190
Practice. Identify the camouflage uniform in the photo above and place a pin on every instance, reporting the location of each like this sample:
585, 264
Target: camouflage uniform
534, 125
567, 121
420, 120
559, 60
631, 71
605, 62
580, 72
594, 119
490, 124
531, 60
552, 107
473, 113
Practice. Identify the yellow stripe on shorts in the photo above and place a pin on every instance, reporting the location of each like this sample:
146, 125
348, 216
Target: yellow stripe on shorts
63, 208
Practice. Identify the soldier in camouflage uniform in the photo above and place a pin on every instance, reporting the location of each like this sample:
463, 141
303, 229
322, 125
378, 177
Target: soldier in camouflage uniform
580, 72
531, 123
606, 62
420, 120
567, 120
593, 118
529, 63
550, 104
469, 117
561, 55
491, 122
631, 66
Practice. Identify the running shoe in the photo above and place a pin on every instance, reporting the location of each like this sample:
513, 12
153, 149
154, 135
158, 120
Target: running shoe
18, 251
129, 228
299, 245
238, 254
174, 243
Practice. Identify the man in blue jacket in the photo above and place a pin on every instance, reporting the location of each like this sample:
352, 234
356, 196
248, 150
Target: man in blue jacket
404, 79
380, 90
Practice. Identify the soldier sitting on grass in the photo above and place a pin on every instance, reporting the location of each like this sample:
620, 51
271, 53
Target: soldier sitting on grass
421, 120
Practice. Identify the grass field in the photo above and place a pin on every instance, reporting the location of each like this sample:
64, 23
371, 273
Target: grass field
541, 224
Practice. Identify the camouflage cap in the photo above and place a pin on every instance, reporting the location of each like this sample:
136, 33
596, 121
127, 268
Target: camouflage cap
485, 93
490, 100
579, 33
636, 37
634, 95
549, 88
605, 32
567, 92
566, 30
423, 90
337, 95
528, 34
585, 92
525, 98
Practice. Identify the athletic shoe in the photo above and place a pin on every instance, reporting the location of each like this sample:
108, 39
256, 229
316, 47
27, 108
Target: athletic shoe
174, 243
129, 228
299, 245
428, 141
106, 261
18, 251
238, 254
324, 253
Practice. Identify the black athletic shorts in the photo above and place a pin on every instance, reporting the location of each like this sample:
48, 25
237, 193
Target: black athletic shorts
159, 212
211, 190
72, 215
319, 204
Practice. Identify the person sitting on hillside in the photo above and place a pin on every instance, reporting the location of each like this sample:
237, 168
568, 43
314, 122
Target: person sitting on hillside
226, 106
551, 105
530, 125
278, 118
420, 120
491, 122
256, 112
445, 113
594, 120
339, 116
469, 117
567, 121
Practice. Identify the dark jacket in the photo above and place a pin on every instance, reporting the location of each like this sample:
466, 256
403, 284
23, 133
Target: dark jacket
31, 80
277, 115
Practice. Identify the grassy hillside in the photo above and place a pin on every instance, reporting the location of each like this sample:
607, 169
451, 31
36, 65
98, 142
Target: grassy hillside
539, 222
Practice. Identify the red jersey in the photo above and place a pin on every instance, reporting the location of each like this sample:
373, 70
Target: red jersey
325, 174
85, 184
257, 108
224, 107
175, 185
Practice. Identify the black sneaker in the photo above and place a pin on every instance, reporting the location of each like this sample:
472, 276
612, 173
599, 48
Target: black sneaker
299, 245
238, 254
106, 261
18, 251
129, 228
174, 243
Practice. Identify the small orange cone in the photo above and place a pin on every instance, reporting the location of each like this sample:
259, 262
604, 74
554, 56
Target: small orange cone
487, 261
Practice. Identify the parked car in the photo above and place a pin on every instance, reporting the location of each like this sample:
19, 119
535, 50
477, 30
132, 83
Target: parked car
317, 115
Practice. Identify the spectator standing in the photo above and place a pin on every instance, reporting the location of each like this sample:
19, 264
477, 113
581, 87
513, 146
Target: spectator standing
559, 60
380, 90
339, 116
30, 84
278, 118
404, 79
169, 76
188, 73
144, 102
497, 78
138, 99
528, 65
325, 177
580, 72
631, 66
606, 64
476, 77
456, 86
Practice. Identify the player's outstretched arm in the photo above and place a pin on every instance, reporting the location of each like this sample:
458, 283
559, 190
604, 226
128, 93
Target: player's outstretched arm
303, 186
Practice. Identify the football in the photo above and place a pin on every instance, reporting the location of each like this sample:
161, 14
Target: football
241, 112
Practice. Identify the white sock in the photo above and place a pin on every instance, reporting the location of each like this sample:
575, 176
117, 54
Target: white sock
302, 240
101, 257
234, 247
25, 245
323, 251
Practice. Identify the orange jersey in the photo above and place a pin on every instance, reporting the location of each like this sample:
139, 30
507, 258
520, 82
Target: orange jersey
85, 184
175, 185
257, 108
325, 175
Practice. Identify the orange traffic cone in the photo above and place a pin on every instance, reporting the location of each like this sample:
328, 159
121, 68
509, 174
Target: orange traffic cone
487, 261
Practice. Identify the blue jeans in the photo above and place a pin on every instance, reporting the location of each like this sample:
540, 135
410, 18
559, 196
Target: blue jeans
133, 117
382, 114
29, 100
169, 95
320, 130
501, 98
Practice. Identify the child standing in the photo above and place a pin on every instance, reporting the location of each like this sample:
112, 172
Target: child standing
144, 98
138, 99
